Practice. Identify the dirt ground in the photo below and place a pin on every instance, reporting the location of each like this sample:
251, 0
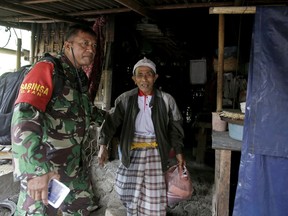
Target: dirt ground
200, 203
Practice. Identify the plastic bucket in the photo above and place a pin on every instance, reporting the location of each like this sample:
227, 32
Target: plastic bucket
236, 131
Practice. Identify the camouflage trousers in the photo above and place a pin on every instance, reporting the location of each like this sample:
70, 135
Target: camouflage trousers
77, 203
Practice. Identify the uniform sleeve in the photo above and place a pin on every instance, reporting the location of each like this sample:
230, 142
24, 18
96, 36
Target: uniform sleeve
29, 155
37, 86
27, 126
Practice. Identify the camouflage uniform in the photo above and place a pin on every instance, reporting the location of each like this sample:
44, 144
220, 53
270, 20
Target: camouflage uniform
54, 140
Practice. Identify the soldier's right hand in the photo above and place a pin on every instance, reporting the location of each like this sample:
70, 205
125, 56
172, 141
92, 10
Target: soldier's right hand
38, 187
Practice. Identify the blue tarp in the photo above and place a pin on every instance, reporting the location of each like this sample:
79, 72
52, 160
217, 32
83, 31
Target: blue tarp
262, 188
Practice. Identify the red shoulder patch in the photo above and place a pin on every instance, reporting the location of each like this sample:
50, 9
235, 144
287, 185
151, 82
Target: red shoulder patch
37, 86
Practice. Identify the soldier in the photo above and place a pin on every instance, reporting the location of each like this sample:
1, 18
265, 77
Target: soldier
49, 132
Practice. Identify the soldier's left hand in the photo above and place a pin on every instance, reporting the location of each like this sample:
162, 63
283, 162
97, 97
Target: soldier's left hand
102, 155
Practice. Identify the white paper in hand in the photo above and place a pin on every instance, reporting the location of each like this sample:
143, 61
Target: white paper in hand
57, 192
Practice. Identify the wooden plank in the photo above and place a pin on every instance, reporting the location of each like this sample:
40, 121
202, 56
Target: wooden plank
5, 152
232, 121
222, 140
5, 155
232, 10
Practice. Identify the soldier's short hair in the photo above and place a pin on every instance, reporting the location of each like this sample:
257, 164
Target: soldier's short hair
75, 29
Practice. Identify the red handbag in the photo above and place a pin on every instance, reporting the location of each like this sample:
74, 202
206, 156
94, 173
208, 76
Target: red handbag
179, 185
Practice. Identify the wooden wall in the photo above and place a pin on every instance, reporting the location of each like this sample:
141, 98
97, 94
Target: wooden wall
47, 37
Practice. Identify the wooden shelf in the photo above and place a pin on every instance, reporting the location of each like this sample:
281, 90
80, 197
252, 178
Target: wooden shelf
233, 121
222, 141
5, 152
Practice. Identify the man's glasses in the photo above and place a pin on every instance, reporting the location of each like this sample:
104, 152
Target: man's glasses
85, 44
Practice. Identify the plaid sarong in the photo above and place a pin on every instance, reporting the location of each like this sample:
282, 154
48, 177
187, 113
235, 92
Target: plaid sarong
141, 187
140, 139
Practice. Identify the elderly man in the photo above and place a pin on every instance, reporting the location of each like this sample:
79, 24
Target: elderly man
151, 126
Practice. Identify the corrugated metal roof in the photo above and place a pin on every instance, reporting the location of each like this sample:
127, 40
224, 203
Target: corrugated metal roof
159, 13
19, 12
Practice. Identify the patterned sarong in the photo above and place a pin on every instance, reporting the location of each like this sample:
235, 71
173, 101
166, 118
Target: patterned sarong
142, 187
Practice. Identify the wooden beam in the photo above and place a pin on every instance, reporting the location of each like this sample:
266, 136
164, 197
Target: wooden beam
37, 1
232, 10
191, 5
100, 12
15, 25
137, 8
20, 9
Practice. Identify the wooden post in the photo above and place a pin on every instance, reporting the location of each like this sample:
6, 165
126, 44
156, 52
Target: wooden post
220, 62
18, 53
222, 182
220, 204
107, 67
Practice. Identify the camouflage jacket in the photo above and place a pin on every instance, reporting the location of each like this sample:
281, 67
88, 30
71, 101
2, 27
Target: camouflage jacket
49, 131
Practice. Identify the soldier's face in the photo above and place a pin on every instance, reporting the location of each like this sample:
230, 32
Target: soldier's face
83, 47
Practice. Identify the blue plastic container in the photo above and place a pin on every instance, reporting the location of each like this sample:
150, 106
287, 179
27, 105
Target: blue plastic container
235, 131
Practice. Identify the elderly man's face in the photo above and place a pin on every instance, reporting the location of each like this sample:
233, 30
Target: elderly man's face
83, 45
144, 78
